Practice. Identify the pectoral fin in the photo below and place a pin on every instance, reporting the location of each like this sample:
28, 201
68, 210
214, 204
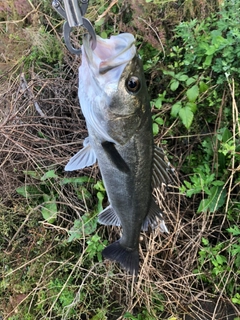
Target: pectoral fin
114, 156
84, 158
162, 169
108, 217
154, 219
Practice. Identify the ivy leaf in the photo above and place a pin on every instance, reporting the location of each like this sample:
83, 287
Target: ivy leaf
193, 93
186, 115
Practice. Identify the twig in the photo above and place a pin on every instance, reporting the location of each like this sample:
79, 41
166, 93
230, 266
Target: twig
164, 55
107, 10
25, 86
235, 121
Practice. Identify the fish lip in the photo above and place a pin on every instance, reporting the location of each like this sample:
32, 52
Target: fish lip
107, 64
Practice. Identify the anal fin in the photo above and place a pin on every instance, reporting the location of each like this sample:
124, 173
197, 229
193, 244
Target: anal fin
154, 219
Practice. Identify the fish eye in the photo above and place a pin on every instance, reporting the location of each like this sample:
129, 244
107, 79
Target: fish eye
133, 84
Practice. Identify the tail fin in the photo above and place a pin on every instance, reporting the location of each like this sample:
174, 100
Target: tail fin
129, 259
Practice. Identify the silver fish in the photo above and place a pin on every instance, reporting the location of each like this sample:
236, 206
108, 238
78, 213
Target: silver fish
114, 100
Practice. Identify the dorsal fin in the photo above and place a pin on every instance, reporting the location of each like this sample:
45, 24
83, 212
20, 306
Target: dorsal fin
162, 170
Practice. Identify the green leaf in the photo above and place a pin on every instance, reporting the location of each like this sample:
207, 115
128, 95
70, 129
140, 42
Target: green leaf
83, 193
48, 175
99, 186
104, 35
236, 300
159, 120
192, 106
215, 200
203, 206
29, 191
32, 174
221, 259
176, 108
169, 73
193, 93
100, 197
75, 232
101, 315
205, 241
155, 128
90, 223
76, 180
218, 183
226, 134
208, 61
99, 22
191, 80
203, 87
174, 85
186, 115
235, 231
49, 209
158, 103
84, 226
181, 77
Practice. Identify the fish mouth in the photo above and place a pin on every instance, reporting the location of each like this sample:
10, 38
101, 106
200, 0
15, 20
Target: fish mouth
109, 53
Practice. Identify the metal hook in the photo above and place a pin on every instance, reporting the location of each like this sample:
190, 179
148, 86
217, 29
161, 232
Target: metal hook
73, 14
67, 30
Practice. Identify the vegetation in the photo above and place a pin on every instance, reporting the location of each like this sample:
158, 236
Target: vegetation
50, 241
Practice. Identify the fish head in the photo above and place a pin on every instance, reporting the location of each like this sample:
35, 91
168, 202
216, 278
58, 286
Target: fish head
129, 107
112, 88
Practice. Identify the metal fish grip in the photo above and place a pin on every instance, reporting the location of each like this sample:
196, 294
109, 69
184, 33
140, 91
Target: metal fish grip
74, 15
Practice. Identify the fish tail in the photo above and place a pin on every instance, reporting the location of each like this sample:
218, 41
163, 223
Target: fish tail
128, 258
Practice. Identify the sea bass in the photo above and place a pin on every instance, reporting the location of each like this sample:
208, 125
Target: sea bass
115, 103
